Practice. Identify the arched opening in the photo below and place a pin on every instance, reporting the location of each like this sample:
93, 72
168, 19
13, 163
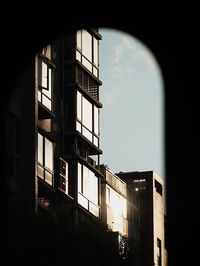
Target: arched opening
173, 39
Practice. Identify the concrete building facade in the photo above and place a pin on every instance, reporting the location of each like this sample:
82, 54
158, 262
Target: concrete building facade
150, 189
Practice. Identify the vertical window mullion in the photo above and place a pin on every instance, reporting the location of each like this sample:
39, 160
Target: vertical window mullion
47, 77
92, 54
43, 145
81, 178
81, 113
93, 123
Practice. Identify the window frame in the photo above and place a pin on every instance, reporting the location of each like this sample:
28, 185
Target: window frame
50, 82
41, 165
83, 196
80, 126
94, 69
64, 177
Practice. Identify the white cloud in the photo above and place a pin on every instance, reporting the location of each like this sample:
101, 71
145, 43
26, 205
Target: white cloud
125, 43
136, 49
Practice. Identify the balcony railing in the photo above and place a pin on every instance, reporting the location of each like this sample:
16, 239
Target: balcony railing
87, 83
88, 205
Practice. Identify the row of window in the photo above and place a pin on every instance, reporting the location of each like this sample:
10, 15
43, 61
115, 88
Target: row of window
86, 52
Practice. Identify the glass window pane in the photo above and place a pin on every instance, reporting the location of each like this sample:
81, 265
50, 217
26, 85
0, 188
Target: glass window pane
87, 45
87, 113
79, 178
93, 209
78, 126
86, 181
93, 188
39, 96
46, 102
82, 201
48, 92
40, 148
95, 51
48, 154
48, 178
87, 64
44, 75
78, 39
87, 133
96, 120
78, 56
95, 71
40, 171
96, 141
79, 96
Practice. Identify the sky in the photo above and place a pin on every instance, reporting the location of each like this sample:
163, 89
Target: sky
132, 117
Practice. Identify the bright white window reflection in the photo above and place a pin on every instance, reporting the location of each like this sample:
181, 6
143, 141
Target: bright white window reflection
88, 189
40, 148
44, 75
48, 154
96, 58
87, 44
87, 114
116, 211
96, 120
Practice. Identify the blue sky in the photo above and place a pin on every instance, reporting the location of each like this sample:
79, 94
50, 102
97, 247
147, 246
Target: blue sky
132, 97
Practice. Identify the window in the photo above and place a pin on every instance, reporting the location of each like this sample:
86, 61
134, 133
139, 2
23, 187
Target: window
158, 187
139, 184
116, 211
45, 159
159, 257
116, 201
45, 83
88, 189
88, 51
64, 176
87, 119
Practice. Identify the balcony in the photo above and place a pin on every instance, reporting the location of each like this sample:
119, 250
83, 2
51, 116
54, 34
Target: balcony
88, 205
86, 83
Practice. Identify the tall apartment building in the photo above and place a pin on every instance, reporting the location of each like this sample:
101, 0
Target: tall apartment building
53, 124
68, 121
150, 189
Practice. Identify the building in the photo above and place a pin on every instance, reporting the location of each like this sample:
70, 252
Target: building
120, 211
58, 121
150, 189
52, 149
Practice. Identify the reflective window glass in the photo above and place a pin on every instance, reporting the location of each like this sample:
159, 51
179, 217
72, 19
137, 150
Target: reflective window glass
87, 45
40, 149
49, 154
95, 51
44, 75
78, 39
87, 114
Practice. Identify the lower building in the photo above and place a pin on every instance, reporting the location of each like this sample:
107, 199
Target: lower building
150, 189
